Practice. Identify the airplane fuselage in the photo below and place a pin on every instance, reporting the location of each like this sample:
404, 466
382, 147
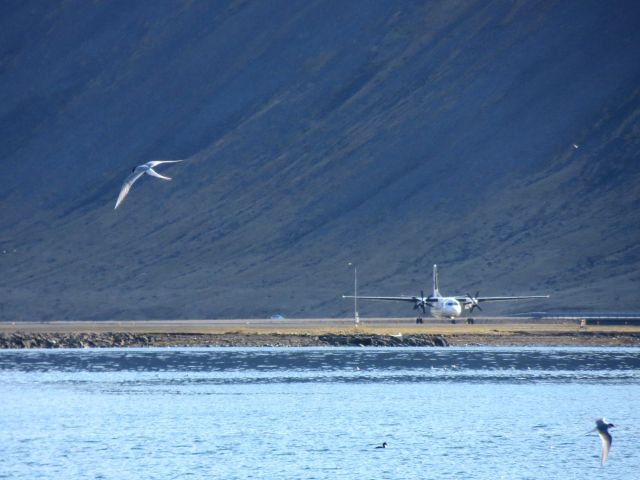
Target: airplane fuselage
446, 307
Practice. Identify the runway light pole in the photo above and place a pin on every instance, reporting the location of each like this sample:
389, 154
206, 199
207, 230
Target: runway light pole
356, 318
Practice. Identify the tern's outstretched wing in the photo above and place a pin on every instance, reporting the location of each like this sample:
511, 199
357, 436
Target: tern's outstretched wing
603, 430
126, 186
606, 439
154, 163
153, 173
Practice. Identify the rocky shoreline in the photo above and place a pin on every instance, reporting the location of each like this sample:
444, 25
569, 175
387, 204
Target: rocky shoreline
125, 339
109, 339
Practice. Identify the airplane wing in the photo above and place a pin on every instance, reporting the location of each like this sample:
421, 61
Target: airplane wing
395, 299
467, 299
415, 299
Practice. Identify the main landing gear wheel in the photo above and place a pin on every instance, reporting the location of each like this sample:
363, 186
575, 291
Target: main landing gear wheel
453, 321
470, 321
419, 320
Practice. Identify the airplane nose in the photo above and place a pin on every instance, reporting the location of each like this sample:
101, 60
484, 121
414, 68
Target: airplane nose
453, 310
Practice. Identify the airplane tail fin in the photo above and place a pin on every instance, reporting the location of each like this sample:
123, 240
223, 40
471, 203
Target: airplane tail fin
436, 292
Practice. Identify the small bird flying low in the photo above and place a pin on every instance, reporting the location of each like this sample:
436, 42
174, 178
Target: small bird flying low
137, 172
605, 437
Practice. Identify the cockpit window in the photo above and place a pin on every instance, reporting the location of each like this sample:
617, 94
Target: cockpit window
451, 304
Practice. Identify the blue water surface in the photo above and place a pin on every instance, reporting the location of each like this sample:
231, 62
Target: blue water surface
318, 413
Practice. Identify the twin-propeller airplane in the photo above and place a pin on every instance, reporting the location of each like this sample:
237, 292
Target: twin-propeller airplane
445, 307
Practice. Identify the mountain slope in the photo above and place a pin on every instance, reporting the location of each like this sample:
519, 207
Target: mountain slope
391, 134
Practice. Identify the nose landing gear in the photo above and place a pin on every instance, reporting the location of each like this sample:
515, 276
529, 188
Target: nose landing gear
419, 321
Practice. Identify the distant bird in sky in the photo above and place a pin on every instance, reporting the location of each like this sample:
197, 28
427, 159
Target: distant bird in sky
137, 172
575, 145
384, 445
603, 430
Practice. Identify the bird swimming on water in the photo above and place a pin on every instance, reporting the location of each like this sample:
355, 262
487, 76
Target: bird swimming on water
384, 445
137, 172
603, 430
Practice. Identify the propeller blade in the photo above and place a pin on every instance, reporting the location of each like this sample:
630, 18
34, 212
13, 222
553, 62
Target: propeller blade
474, 302
421, 304
476, 299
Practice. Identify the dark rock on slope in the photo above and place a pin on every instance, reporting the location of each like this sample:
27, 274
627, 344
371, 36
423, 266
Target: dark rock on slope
391, 134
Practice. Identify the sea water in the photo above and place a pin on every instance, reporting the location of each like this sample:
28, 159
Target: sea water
318, 413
